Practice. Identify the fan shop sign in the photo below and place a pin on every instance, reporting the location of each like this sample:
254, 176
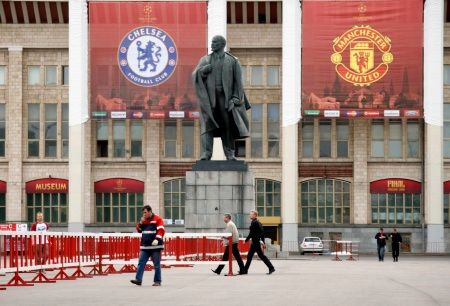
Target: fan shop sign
47, 186
395, 185
119, 185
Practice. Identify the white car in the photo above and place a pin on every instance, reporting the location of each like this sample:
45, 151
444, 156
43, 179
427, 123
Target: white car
311, 244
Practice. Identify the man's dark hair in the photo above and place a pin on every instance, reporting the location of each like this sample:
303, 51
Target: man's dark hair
381, 228
147, 208
228, 216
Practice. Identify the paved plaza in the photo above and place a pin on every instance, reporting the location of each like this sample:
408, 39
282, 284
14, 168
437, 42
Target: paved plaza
306, 280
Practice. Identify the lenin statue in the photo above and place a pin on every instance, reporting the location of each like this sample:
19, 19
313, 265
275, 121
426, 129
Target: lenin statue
223, 104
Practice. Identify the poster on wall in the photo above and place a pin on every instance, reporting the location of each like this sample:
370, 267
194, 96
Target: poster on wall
362, 58
142, 55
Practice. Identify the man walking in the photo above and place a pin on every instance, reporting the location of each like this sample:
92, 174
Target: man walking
381, 244
256, 235
152, 228
232, 229
396, 241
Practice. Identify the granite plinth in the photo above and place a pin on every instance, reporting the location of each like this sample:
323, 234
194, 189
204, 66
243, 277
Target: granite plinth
220, 165
211, 192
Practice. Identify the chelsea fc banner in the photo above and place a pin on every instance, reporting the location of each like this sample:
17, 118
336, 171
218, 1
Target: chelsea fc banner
142, 55
362, 58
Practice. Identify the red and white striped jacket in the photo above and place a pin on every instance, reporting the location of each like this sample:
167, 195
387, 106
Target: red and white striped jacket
152, 229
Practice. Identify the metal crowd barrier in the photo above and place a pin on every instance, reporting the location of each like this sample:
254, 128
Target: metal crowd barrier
347, 248
23, 252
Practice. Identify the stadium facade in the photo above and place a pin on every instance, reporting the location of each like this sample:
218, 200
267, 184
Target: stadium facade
336, 178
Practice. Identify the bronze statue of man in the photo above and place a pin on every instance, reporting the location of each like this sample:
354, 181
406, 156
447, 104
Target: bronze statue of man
223, 104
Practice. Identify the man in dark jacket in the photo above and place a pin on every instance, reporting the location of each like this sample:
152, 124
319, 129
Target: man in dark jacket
218, 84
152, 228
396, 241
381, 244
256, 235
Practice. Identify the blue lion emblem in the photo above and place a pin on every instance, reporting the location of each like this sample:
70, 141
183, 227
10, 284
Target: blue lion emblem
147, 56
151, 55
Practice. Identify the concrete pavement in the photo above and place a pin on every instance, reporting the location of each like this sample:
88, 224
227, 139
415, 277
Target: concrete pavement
311, 280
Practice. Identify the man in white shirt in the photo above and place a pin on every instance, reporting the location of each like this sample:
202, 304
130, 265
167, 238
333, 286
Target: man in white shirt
232, 229
41, 241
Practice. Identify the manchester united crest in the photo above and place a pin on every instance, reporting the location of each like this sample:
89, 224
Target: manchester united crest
362, 55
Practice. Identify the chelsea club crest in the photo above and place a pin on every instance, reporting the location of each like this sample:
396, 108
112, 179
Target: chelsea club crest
147, 56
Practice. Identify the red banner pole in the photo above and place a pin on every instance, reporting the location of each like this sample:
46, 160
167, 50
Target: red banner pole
230, 256
177, 248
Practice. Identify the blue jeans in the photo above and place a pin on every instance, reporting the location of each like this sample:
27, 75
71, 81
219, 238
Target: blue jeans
156, 259
381, 250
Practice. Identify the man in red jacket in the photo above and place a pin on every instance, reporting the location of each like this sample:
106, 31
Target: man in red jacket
152, 228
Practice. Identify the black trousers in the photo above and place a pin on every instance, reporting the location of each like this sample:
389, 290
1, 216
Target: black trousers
395, 250
256, 248
237, 256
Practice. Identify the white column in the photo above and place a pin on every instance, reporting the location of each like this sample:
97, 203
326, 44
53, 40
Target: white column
291, 115
78, 111
151, 151
217, 19
217, 25
433, 107
360, 184
14, 111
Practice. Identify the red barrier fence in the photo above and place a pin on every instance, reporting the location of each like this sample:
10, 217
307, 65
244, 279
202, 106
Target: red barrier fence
22, 252
347, 248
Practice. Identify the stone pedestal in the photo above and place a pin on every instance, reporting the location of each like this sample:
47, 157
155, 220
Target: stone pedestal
214, 188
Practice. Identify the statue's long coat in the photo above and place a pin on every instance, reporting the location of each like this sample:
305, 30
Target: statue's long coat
233, 88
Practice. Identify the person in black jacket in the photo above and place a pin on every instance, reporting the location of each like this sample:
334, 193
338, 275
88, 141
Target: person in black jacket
396, 241
256, 234
381, 244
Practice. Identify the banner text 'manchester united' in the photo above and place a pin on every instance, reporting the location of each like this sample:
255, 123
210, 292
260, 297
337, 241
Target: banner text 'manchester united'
382, 42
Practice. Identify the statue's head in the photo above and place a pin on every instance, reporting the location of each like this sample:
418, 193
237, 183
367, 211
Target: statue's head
218, 43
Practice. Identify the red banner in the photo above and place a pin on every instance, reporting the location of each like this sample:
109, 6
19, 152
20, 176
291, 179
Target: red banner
362, 58
142, 55
47, 185
2, 187
119, 185
395, 185
447, 187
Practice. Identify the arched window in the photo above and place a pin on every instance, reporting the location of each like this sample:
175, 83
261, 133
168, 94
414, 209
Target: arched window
446, 201
174, 199
268, 198
118, 200
2, 201
395, 201
49, 196
325, 201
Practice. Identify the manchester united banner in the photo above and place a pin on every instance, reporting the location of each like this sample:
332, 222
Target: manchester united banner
362, 58
142, 55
